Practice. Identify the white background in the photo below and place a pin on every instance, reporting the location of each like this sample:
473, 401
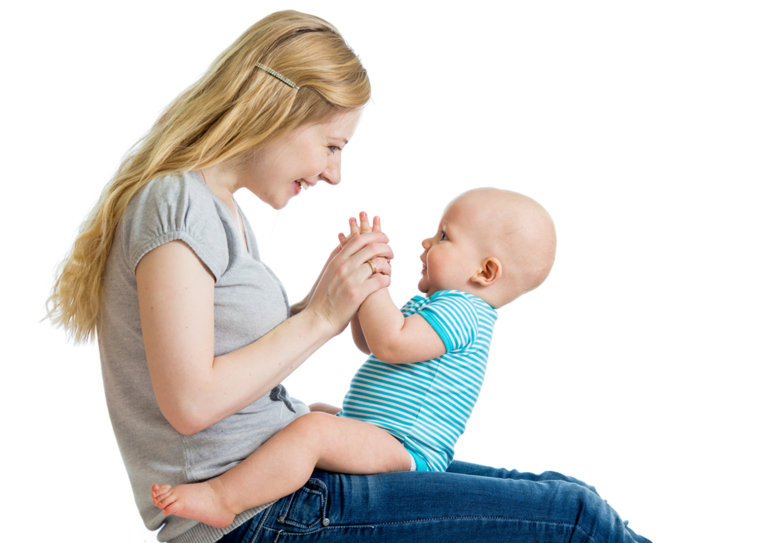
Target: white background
636, 124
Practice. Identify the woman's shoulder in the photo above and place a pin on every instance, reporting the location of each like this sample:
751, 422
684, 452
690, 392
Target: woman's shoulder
174, 189
176, 207
177, 201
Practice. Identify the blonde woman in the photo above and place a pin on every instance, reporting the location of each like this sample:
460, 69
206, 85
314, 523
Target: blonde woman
196, 333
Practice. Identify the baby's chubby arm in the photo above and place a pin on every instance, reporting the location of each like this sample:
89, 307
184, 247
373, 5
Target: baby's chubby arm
396, 339
382, 329
358, 335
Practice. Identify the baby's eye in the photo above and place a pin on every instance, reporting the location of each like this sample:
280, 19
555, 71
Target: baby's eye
443, 236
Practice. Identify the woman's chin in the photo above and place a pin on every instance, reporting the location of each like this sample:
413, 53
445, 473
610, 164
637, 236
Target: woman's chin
279, 202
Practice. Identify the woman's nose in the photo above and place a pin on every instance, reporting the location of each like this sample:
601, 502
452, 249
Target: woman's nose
331, 173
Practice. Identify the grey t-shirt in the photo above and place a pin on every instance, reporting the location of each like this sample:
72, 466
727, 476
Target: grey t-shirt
248, 302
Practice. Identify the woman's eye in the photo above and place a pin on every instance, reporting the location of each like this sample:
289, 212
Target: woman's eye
333, 148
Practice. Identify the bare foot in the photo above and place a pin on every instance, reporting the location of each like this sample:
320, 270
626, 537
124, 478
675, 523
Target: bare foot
198, 501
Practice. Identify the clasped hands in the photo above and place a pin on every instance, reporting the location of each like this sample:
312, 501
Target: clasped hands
345, 281
378, 264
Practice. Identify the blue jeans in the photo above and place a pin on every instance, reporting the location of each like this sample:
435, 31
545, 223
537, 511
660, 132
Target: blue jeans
469, 503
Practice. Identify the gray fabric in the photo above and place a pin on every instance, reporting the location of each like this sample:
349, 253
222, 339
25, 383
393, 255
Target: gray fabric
248, 302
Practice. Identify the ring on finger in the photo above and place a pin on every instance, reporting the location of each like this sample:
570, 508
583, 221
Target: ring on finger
372, 266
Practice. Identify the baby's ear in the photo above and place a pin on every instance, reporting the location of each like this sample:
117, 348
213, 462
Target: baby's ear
488, 272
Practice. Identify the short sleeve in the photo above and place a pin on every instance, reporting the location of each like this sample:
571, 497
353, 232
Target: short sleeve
413, 306
176, 208
453, 317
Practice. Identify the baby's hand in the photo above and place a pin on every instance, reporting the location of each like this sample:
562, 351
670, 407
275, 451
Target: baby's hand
362, 227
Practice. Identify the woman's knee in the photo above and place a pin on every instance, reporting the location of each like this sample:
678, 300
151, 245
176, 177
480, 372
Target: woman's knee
593, 515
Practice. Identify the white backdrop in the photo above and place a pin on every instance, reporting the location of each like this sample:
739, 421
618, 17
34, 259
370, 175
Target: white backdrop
635, 124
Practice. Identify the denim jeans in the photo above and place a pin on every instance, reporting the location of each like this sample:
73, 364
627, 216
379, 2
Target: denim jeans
467, 504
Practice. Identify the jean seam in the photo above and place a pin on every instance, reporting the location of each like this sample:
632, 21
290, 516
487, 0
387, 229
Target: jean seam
569, 525
261, 526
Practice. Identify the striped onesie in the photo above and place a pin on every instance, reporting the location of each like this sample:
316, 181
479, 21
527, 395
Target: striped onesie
425, 405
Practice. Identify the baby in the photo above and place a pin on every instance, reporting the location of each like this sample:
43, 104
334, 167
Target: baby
408, 404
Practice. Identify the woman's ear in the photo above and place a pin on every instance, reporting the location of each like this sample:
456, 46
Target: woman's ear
488, 272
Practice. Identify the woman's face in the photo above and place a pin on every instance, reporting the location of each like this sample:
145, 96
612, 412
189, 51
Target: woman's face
300, 159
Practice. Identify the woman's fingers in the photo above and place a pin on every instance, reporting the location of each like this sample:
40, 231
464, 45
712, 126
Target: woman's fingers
377, 257
351, 263
375, 283
379, 265
372, 244
372, 282
380, 254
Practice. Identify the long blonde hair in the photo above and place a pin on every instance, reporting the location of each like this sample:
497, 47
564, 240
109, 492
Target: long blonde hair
235, 108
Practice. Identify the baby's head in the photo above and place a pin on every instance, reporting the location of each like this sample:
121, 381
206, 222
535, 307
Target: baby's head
493, 243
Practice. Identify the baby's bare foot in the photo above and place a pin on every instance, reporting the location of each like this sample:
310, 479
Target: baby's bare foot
198, 501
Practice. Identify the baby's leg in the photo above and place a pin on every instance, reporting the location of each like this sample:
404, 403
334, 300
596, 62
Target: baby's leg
283, 464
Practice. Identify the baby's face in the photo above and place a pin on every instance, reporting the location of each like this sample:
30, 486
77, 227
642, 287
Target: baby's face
453, 255
496, 244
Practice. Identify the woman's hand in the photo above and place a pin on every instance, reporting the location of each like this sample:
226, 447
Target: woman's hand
363, 227
348, 278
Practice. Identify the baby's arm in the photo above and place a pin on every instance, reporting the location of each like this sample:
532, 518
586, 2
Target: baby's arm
358, 335
394, 338
382, 327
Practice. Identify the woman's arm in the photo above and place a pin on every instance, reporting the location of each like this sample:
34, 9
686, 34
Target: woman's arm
324, 408
193, 388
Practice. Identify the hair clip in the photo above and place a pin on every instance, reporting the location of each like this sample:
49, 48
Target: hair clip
278, 75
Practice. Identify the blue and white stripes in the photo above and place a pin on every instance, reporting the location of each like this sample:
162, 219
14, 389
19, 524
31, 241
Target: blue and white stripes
426, 404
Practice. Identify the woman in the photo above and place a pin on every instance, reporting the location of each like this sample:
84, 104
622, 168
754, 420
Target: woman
195, 332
